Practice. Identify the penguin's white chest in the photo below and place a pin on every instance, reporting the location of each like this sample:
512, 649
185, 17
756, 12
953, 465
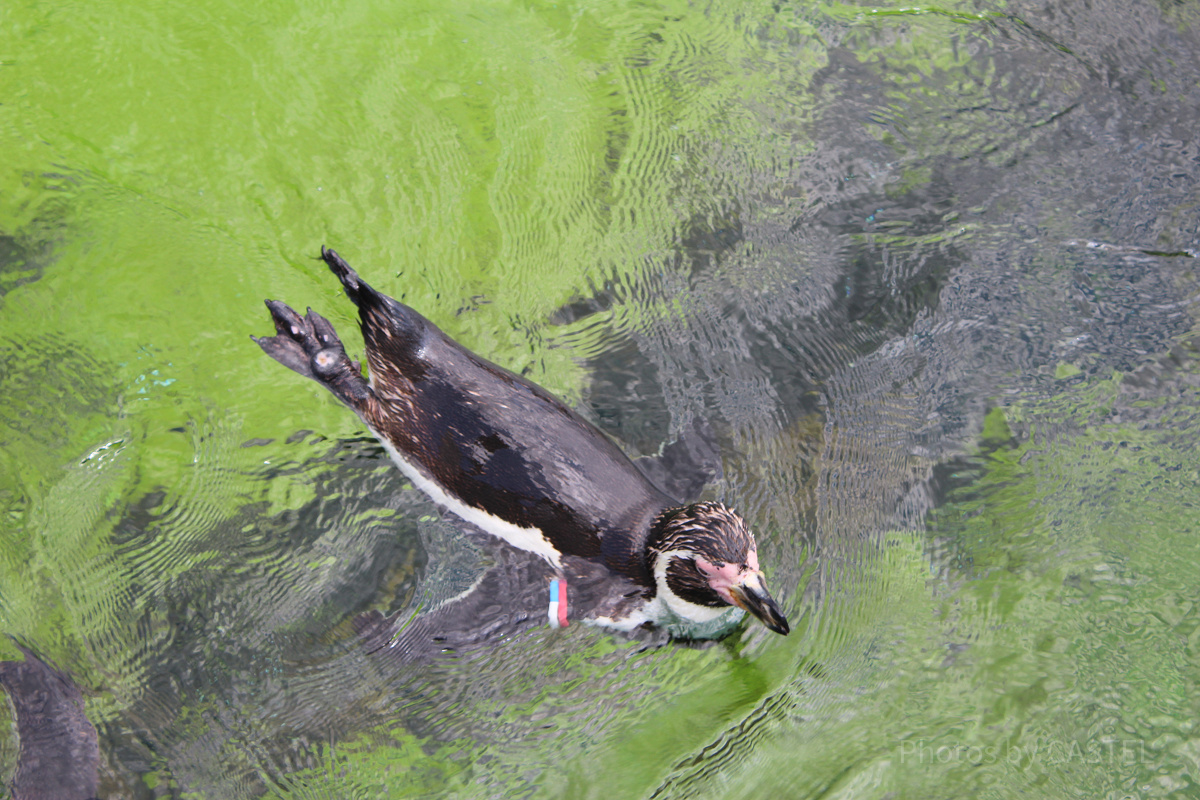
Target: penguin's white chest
532, 540
716, 622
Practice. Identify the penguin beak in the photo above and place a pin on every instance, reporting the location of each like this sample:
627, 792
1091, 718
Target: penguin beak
751, 595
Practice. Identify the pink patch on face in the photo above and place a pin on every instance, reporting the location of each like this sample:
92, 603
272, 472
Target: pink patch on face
727, 575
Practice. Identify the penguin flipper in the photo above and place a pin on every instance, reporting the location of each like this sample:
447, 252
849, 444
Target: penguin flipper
509, 598
310, 346
685, 466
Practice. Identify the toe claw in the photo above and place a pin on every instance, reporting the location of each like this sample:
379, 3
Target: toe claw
321, 327
287, 322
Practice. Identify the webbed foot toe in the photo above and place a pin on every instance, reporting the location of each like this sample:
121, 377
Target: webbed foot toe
310, 346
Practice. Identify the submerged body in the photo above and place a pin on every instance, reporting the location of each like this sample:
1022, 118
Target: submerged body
506, 456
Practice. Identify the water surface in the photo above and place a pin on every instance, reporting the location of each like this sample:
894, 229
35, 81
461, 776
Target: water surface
928, 270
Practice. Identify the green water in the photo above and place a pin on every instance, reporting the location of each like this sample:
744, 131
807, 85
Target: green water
929, 269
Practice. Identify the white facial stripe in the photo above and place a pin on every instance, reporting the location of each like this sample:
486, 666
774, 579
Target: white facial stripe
683, 608
529, 539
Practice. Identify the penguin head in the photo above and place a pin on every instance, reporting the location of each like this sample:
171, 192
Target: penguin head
704, 559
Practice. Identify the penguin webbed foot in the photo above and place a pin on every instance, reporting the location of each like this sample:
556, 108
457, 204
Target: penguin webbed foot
283, 347
310, 346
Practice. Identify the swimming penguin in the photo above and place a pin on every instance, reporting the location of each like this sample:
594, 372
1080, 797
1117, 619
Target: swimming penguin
506, 456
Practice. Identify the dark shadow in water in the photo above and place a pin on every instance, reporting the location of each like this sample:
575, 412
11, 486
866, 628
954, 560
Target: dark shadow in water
19, 264
59, 752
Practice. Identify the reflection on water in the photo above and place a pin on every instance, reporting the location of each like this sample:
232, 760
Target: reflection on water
907, 261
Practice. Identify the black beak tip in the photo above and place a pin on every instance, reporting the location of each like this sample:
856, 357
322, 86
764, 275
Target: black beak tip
764, 608
770, 615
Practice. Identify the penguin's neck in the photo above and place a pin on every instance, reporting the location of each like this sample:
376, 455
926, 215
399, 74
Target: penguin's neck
654, 545
633, 554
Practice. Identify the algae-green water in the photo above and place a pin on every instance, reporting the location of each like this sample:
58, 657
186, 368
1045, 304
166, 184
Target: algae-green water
928, 270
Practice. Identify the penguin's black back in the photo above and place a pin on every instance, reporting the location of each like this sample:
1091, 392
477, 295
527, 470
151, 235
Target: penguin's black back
500, 443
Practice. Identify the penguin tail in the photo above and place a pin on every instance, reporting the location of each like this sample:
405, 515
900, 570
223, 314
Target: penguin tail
358, 290
386, 323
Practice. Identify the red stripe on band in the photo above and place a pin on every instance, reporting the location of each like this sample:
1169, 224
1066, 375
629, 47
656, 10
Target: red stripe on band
562, 603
